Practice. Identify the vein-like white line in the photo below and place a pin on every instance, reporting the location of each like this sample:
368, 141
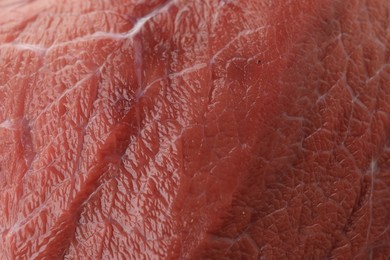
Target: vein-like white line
97, 35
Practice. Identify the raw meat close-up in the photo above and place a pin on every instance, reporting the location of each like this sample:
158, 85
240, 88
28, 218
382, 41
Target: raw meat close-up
186, 129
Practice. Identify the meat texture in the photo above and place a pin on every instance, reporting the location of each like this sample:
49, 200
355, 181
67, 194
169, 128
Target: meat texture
183, 129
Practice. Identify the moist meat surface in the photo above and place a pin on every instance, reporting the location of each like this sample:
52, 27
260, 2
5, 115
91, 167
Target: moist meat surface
180, 129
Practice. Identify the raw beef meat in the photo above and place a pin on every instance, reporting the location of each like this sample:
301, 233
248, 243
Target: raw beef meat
184, 129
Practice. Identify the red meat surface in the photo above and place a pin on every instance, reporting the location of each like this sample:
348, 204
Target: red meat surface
183, 129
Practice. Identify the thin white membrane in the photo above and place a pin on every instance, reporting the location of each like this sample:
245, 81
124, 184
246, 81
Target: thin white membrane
39, 49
